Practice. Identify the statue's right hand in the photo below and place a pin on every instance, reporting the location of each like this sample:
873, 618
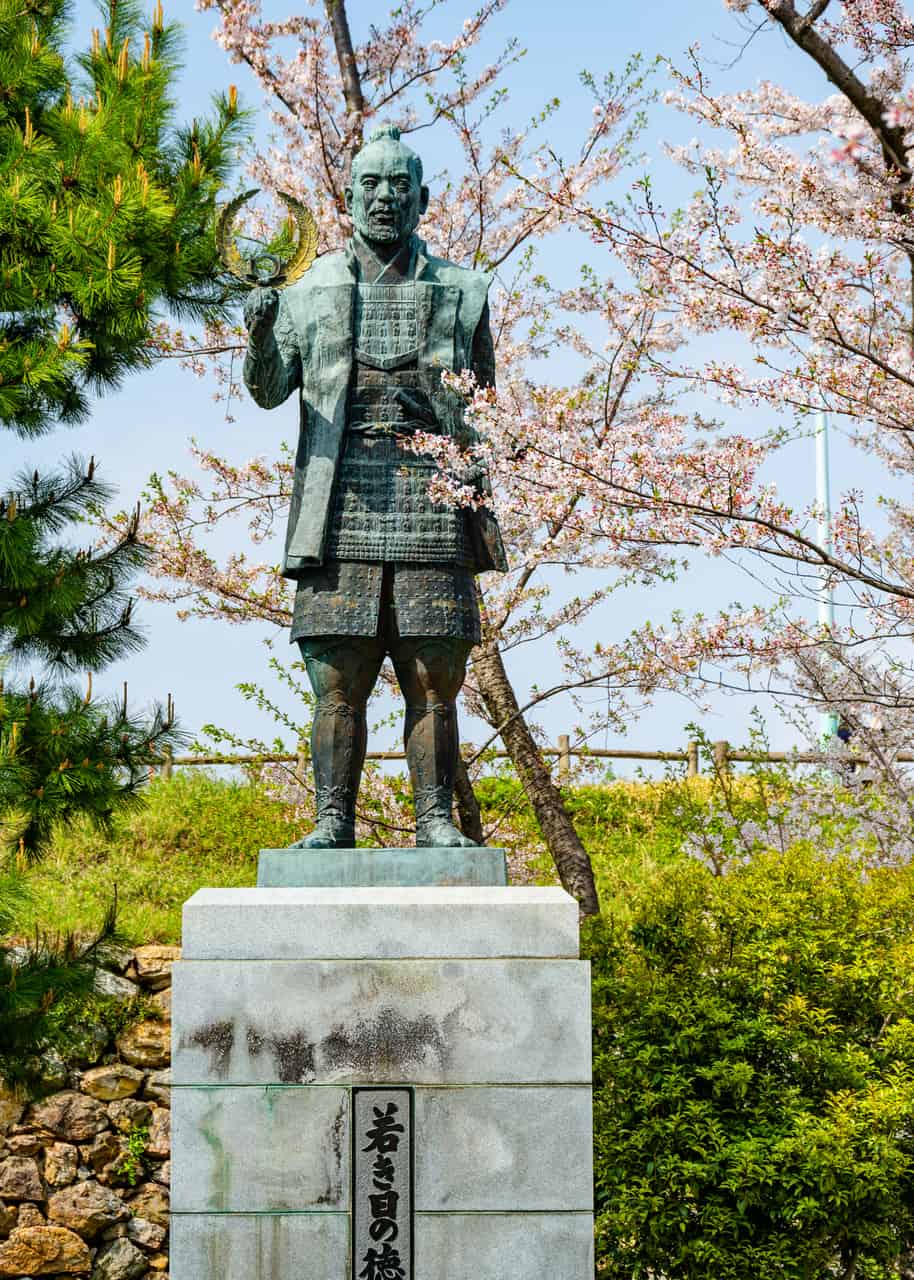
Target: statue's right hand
260, 310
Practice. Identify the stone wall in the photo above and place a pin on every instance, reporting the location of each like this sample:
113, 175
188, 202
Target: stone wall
84, 1170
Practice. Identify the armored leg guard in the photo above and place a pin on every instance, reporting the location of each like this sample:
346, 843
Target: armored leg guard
431, 753
338, 740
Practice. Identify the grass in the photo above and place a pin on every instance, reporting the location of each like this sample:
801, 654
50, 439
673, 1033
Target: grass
191, 831
630, 829
195, 830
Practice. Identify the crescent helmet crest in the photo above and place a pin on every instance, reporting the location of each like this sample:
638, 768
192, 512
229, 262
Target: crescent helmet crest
263, 268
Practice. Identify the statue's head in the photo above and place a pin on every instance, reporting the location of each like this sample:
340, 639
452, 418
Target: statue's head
386, 197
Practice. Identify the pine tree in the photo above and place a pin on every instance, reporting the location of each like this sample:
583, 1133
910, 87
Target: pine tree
65, 610
36, 979
105, 205
106, 227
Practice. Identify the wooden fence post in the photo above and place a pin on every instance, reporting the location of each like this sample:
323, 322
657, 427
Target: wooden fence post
693, 768
301, 760
720, 754
564, 757
167, 763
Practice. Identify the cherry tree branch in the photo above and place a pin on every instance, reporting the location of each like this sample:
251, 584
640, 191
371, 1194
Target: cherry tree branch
801, 29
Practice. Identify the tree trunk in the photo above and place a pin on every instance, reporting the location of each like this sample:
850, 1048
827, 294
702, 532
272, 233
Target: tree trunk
468, 814
345, 56
568, 854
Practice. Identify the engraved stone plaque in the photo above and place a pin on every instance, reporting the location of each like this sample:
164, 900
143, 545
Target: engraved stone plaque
382, 1184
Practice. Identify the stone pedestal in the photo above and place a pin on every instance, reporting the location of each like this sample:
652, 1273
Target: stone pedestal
301, 1013
395, 868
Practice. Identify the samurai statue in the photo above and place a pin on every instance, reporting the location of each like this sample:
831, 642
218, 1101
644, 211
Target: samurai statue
381, 569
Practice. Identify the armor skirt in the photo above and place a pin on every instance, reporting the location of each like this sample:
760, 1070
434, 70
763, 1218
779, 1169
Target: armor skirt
347, 597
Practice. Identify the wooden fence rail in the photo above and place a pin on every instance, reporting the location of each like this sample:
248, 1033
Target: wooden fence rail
722, 756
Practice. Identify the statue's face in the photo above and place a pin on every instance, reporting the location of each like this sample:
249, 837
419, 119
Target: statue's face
385, 199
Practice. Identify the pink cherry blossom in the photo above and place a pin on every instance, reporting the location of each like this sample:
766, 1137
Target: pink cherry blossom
797, 248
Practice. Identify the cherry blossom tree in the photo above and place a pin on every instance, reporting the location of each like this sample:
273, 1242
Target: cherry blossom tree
322, 90
798, 246
797, 254
797, 243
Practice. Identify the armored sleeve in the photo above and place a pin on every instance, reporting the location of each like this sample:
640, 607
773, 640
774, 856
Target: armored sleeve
482, 526
272, 366
483, 355
483, 366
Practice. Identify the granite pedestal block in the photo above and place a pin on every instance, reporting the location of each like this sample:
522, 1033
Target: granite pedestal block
468, 1005
366, 868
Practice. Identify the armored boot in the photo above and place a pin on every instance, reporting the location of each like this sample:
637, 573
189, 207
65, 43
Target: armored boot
431, 753
338, 739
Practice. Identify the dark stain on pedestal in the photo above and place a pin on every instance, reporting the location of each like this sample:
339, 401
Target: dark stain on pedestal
293, 1054
334, 1193
217, 1039
384, 1046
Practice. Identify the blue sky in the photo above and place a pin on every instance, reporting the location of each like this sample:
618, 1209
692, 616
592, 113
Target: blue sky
145, 426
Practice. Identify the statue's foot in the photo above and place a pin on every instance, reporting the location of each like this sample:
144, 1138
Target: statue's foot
439, 833
329, 833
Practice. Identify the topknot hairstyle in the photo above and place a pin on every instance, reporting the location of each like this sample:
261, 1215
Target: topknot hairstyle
390, 133
383, 131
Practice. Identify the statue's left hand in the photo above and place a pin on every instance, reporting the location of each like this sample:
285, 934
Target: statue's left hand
260, 310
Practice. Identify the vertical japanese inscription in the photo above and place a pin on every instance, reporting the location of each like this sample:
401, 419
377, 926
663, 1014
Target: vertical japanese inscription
382, 1184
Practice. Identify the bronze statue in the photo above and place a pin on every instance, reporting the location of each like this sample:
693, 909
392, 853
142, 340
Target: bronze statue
381, 570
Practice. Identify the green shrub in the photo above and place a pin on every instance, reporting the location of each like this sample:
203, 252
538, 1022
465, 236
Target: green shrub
754, 1073
132, 1166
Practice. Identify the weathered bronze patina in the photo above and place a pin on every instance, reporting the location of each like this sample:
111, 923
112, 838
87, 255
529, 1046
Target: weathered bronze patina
381, 570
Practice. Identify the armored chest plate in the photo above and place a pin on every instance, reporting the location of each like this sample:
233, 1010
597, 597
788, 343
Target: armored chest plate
386, 325
382, 509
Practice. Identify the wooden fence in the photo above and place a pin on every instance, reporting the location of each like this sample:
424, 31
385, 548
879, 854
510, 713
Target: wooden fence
722, 757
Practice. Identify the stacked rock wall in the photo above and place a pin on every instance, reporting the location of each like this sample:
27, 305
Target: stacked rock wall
84, 1171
